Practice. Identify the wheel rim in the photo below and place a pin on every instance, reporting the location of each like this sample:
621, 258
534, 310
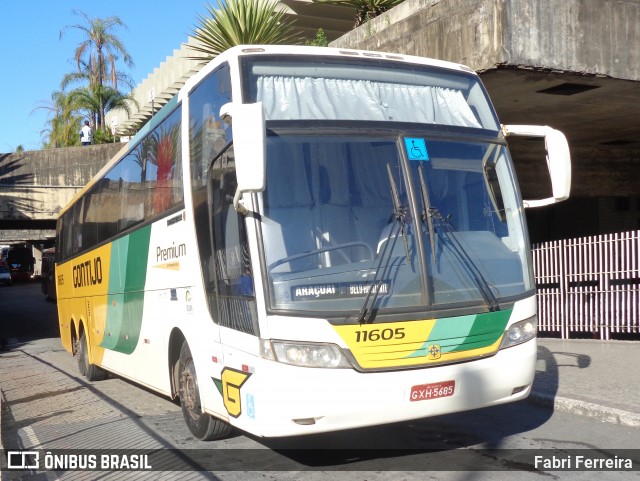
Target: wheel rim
190, 391
83, 359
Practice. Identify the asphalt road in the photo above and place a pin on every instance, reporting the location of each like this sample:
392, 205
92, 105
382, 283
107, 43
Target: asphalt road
25, 314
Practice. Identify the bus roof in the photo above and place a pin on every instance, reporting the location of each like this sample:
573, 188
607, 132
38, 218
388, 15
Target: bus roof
241, 50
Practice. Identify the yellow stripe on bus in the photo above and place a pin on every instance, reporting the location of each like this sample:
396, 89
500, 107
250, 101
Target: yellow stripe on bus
404, 344
83, 283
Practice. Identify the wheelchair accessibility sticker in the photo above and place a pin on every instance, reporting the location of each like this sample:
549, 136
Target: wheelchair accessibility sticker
416, 149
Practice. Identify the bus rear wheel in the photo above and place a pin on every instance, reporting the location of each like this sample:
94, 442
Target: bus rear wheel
202, 425
90, 371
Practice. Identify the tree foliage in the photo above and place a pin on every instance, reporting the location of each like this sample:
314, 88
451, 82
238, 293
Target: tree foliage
100, 99
63, 121
320, 40
100, 49
365, 9
96, 59
241, 22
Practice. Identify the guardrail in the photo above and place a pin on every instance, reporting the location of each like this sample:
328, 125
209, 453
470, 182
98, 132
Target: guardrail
589, 285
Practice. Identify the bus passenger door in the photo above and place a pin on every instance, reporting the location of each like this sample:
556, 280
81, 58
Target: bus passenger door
228, 284
235, 306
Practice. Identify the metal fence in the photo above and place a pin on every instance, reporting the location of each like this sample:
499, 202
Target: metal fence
589, 285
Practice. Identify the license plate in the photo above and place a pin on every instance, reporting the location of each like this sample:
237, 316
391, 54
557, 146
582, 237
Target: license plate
435, 390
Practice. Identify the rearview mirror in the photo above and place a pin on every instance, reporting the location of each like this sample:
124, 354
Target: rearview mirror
249, 146
558, 160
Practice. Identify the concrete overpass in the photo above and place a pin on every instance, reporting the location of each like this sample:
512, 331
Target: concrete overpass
36, 185
571, 64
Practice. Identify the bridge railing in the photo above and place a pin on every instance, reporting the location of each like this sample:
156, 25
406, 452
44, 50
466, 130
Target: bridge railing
589, 285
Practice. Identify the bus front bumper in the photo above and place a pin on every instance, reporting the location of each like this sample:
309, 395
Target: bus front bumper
282, 400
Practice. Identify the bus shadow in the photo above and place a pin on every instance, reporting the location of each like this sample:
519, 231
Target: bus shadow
461, 441
547, 380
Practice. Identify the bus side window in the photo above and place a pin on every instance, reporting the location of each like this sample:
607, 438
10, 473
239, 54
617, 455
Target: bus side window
78, 215
132, 173
208, 136
67, 230
234, 279
163, 171
108, 204
89, 226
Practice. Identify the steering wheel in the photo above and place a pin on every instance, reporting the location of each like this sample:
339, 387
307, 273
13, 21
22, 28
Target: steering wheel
302, 255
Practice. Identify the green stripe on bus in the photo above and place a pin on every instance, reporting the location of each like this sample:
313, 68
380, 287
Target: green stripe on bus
486, 329
464, 333
450, 332
125, 301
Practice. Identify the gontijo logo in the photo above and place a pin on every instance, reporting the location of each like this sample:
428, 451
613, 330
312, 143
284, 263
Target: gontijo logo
88, 273
232, 382
433, 351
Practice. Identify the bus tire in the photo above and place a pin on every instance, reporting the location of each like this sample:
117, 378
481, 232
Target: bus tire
91, 372
202, 425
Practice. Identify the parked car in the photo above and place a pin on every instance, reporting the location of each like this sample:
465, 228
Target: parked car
5, 276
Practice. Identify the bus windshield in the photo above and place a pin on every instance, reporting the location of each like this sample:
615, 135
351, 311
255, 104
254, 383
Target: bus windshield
430, 221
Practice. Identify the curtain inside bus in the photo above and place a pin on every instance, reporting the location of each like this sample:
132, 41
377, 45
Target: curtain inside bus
345, 99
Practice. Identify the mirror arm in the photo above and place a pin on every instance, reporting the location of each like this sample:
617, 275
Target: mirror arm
238, 205
529, 204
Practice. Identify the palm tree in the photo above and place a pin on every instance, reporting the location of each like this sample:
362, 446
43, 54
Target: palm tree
365, 9
97, 115
84, 75
64, 121
97, 54
100, 100
242, 22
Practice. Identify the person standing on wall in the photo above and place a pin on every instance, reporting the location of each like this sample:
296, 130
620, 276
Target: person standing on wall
85, 134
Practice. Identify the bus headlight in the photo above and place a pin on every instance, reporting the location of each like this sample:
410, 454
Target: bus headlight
520, 332
304, 354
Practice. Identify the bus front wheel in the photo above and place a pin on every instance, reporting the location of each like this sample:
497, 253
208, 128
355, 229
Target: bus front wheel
90, 371
202, 425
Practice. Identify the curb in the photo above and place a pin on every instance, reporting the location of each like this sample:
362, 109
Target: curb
1, 445
585, 408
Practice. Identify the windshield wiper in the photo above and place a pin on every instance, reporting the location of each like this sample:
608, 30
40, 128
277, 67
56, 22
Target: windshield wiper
399, 212
427, 213
445, 228
399, 224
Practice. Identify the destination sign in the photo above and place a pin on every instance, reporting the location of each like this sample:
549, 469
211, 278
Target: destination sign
337, 291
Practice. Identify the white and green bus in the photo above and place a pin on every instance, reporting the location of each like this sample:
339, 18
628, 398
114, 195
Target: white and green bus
309, 239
